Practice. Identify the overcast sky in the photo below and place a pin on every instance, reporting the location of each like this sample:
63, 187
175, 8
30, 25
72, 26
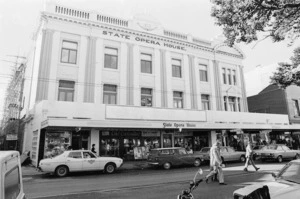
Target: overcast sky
19, 19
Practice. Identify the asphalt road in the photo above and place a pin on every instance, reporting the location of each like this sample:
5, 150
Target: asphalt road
150, 183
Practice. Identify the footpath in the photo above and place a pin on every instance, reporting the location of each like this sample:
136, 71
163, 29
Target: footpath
231, 169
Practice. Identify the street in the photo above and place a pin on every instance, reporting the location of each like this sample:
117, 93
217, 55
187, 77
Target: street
149, 183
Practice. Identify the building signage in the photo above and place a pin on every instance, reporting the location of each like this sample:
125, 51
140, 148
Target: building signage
11, 137
142, 40
179, 125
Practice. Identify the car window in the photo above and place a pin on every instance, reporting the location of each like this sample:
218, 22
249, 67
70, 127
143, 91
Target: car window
87, 154
272, 147
291, 173
75, 155
205, 150
285, 148
223, 150
182, 152
279, 148
12, 183
172, 151
165, 152
230, 150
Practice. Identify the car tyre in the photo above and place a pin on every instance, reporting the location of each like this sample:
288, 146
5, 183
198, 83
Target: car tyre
279, 158
297, 156
61, 171
243, 158
167, 165
110, 168
197, 162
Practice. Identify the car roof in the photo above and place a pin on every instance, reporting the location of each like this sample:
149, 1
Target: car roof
168, 148
78, 150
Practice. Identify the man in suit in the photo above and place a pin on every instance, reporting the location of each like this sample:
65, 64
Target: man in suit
216, 163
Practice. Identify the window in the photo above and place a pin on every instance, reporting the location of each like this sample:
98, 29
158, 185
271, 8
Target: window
110, 58
296, 108
176, 68
231, 101
66, 91
239, 104
146, 63
203, 73
229, 76
69, 52
12, 183
224, 75
234, 77
225, 103
75, 155
178, 100
146, 97
205, 102
109, 94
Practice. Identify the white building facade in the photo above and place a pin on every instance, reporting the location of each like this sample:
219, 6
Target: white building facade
130, 85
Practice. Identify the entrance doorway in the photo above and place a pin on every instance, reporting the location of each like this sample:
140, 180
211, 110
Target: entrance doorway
80, 140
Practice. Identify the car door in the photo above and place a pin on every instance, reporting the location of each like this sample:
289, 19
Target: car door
289, 153
74, 161
224, 154
184, 157
90, 162
232, 154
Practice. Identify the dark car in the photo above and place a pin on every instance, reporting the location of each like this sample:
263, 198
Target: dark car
176, 156
278, 152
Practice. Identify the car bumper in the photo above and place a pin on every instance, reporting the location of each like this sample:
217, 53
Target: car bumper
153, 163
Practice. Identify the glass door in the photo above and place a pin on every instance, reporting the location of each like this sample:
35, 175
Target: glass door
167, 140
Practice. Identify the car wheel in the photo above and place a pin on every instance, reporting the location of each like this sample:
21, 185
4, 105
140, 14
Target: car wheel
110, 168
197, 162
297, 156
279, 158
61, 171
167, 165
242, 158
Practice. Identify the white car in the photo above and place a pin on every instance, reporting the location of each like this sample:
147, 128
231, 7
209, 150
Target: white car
286, 185
79, 160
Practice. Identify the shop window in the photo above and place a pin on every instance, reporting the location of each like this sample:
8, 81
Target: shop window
75, 155
224, 75
229, 76
203, 73
56, 143
66, 91
109, 94
146, 63
12, 183
176, 68
110, 58
205, 102
109, 147
296, 108
146, 97
152, 143
178, 99
69, 52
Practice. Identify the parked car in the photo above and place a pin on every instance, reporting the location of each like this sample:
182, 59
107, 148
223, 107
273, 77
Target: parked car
11, 184
175, 156
227, 154
79, 160
286, 184
279, 152
257, 150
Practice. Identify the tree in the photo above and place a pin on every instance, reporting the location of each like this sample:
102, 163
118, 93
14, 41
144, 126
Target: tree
242, 20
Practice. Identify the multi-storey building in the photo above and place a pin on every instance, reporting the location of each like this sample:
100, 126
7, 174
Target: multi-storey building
130, 85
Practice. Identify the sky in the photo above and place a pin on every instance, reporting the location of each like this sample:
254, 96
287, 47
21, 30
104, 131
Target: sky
19, 20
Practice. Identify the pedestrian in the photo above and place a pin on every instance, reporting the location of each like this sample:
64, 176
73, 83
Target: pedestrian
93, 149
249, 158
216, 163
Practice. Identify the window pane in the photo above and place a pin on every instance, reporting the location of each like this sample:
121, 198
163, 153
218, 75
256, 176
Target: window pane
64, 55
203, 75
113, 99
224, 75
69, 96
70, 45
106, 99
146, 57
111, 51
108, 87
12, 183
75, 155
66, 84
73, 57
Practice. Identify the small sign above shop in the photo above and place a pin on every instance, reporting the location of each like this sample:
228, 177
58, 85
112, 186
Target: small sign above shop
11, 137
178, 125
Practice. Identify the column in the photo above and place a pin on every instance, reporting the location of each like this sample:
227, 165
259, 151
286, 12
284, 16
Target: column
244, 96
217, 85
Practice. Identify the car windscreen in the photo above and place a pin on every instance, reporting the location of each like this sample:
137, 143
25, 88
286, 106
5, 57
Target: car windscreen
291, 173
205, 150
153, 152
271, 147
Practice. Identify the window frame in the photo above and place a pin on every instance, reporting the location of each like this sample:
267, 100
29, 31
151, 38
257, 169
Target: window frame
108, 57
176, 68
232, 104
144, 69
19, 180
296, 107
110, 94
66, 91
68, 52
176, 99
147, 96
234, 77
203, 72
229, 76
224, 75
205, 102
